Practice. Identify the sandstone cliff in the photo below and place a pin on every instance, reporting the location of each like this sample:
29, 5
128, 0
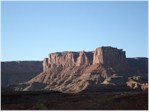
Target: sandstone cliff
73, 72
103, 55
109, 56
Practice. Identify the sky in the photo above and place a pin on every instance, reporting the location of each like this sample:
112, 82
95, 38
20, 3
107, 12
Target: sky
32, 30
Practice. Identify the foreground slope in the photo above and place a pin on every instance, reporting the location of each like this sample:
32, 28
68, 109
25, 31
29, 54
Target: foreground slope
20, 100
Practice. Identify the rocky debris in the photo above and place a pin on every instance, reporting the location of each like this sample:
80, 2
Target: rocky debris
135, 82
144, 86
19, 71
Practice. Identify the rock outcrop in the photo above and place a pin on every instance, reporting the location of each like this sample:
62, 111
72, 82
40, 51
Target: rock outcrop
106, 68
136, 82
61, 59
67, 59
103, 55
109, 56
74, 72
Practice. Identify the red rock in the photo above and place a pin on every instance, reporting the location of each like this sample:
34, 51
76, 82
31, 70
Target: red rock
74, 72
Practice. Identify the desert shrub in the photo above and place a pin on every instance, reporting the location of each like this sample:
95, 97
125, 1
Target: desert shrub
39, 106
107, 101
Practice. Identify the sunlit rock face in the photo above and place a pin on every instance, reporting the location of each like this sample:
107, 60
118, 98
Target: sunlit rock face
45, 64
64, 59
109, 56
82, 59
102, 55
73, 72
68, 59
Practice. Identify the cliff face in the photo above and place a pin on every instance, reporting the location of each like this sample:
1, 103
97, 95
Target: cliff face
109, 56
19, 72
103, 55
67, 59
63, 59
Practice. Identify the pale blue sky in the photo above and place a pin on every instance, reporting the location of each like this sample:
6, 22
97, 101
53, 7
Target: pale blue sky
32, 30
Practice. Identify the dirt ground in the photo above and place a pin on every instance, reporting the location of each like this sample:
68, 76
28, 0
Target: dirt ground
131, 100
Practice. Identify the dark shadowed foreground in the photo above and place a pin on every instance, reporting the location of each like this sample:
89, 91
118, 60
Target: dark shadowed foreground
39, 100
